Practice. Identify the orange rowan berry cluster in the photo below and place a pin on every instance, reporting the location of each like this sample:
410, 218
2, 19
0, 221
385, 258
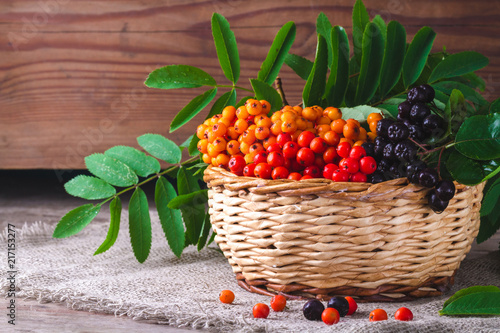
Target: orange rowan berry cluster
249, 142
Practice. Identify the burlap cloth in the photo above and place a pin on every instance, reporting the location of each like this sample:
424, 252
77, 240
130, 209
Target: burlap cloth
184, 292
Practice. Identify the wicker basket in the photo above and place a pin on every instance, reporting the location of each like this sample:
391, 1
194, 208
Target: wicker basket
318, 238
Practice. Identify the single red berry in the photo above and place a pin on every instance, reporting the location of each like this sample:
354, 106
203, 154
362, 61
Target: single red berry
353, 306
290, 149
273, 147
249, 169
263, 170
260, 310
330, 316
236, 164
359, 177
305, 177
328, 170
305, 157
343, 149
294, 176
275, 159
283, 138
330, 155
340, 176
357, 152
349, 164
280, 173
305, 138
278, 303
403, 314
367, 165
312, 171
260, 157
378, 315
318, 145
226, 296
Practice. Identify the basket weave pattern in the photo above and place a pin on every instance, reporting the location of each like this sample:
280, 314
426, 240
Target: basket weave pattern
318, 238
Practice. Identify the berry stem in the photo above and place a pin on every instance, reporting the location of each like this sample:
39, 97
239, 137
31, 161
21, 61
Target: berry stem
279, 88
419, 144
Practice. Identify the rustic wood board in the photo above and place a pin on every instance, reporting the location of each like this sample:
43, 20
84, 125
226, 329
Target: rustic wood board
72, 72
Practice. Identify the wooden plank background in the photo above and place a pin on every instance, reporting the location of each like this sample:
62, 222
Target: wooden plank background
72, 72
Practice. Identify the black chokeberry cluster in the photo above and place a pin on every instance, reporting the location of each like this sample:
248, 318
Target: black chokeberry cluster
395, 147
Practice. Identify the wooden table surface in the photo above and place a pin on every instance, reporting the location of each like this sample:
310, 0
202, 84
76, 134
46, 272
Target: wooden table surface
72, 72
39, 196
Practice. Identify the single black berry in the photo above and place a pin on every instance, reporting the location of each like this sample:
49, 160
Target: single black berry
369, 148
397, 170
313, 309
417, 95
413, 171
432, 123
405, 151
404, 110
340, 304
376, 177
398, 132
416, 133
428, 92
445, 190
382, 126
428, 177
388, 152
418, 112
379, 144
383, 165
435, 203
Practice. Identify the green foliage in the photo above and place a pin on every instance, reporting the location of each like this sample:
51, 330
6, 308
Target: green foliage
376, 78
477, 301
115, 209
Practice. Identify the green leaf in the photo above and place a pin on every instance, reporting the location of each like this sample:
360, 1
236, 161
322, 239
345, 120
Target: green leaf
324, 28
379, 21
452, 113
186, 200
393, 58
390, 109
458, 64
139, 162
463, 169
339, 68
489, 224
192, 109
171, 219
490, 198
371, 61
228, 98
194, 215
469, 93
265, 91
139, 225
315, 85
416, 55
160, 147
468, 291
179, 76
89, 188
193, 146
204, 232
277, 53
75, 220
359, 113
115, 209
472, 80
225, 45
360, 19
479, 303
495, 106
111, 170
300, 65
490, 168
479, 137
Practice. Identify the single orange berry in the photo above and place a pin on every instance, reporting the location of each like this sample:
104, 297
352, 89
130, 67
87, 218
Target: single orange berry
215, 119
220, 144
371, 136
373, 126
207, 122
297, 109
219, 129
338, 125
231, 133
206, 158
309, 113
212, 151
276, 128
378, 315
332, 138
229, 112
353, 121
253, 107
332, 113
363, 135
226, 296
288, 116
266, 106
240, 126
248, 137
278, 303
202, 146
271, 139
351, 131
244, 147
301, 123
211, 136
233, 147
324, 121
374, 116
242, 112
200, 131
262, 132
276, 116
225, 121
222, 160
256, 147
323, 128
288, 126
263, 121
249, 158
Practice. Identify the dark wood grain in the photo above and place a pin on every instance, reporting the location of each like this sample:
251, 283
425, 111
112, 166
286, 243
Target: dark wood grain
72, 72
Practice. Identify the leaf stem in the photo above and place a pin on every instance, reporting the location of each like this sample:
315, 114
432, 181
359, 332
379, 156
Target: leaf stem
234, 87
279, 88
147, 180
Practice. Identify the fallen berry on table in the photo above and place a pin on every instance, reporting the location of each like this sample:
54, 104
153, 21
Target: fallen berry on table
340, 304
226, 296
353, 306
260, 310
278, 303
403, 314
378, 315
330, 316
313, 309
